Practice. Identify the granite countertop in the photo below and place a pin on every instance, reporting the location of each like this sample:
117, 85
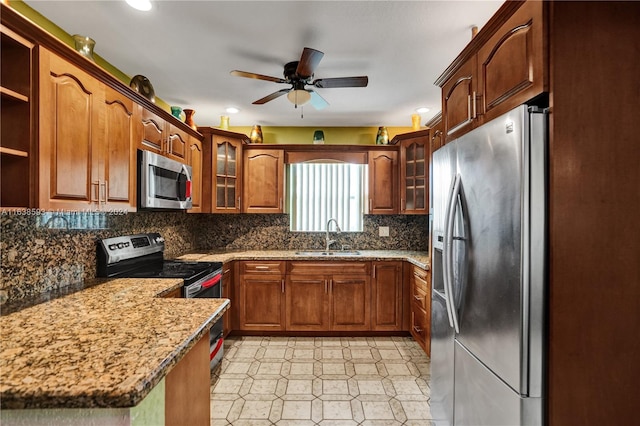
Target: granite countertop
105, 346
418, 258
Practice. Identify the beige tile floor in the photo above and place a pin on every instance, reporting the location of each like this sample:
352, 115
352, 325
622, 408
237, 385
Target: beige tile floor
321, 381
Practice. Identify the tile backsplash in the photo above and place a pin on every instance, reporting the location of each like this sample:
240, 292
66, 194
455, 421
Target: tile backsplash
39, 254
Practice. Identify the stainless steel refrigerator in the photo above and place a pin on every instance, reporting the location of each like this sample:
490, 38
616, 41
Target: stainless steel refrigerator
489, 273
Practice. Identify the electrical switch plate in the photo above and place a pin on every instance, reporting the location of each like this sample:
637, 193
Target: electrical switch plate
383, 231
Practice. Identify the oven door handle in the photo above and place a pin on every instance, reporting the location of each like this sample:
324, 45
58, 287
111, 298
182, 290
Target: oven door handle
213, 281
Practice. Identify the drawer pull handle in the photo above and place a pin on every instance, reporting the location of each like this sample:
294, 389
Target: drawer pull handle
262, 268
419, 299
417, 329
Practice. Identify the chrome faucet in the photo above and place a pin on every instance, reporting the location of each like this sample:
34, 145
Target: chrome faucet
338, 230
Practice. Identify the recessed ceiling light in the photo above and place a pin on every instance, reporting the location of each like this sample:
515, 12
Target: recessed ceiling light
232, 110
143, 5
422, 109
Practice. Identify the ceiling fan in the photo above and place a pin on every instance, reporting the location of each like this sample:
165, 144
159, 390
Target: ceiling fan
299, 74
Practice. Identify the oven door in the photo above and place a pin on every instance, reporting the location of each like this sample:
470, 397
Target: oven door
209, 287
163, 183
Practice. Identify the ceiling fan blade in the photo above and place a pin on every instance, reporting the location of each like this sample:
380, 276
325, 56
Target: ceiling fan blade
308, 62
328, 83
256, 76
317, 101
271, 97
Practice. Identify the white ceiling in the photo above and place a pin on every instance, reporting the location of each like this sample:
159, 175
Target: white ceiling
187, 48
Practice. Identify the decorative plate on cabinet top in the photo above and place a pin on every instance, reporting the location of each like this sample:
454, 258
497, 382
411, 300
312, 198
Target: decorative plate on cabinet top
142, 85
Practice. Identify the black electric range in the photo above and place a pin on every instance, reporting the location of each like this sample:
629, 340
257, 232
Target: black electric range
142, 256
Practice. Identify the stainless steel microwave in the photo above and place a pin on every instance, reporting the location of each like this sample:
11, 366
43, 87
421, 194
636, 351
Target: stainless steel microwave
163, 183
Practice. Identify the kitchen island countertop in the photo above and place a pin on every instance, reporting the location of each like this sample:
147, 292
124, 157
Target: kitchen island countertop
106, 346
418, 258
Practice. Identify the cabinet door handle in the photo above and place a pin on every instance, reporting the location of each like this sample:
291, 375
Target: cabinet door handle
280, 204
403, 204
239, 205
417, 329
331, 285
469, 116
475, 115
95, 190
419, 299
325, 286
282, 286
106, 192
370, 205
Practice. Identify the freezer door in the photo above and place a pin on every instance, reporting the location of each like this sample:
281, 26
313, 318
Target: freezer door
489, 302
482, 399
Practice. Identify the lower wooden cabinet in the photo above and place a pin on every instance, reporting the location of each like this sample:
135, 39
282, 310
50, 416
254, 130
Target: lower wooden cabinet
328, 296
228, 285
386, 299
420, 295
261, 300
187, 388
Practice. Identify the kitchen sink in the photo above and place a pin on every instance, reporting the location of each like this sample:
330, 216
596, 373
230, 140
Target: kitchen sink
328, 253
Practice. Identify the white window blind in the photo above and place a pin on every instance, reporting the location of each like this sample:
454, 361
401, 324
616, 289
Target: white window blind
322, 191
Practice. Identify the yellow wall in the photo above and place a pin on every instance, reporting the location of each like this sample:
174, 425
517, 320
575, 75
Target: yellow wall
332, 135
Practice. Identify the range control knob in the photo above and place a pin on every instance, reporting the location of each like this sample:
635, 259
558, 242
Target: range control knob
112, 247
120, 245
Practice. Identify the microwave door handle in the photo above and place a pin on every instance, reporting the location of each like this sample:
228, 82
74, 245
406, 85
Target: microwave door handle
445, 259
448, 247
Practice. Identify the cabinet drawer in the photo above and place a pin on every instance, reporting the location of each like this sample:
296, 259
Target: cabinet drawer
419, 299
258, 267
419, 326
329, 268
421, 278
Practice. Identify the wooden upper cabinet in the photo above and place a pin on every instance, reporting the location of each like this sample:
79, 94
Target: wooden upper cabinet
458, 100
71, 136
153, 132
511, 63
383, 182
263, 183
195, 160
17, 144
177, 143
119, 150
227, 177
414, 172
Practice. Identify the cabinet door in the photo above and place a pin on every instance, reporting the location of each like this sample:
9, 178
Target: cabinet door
421, 308
511, 62
226, 181
414, 169
153, 132
119, 151
262, 302
383, 182
307, 303
227, 289
263, 184
458, 100
387, 296
195, 160
350, 302
71, 131
177, 143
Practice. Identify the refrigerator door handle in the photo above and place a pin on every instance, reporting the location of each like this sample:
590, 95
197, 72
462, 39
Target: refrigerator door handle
448, 253
445, 259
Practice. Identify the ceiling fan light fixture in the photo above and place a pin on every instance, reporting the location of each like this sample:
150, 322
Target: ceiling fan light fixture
299, 97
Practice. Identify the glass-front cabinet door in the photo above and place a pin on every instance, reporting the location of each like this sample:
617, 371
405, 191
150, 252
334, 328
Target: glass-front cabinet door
227, 163
414, 182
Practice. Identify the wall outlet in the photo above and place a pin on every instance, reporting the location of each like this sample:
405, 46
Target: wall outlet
383, 231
